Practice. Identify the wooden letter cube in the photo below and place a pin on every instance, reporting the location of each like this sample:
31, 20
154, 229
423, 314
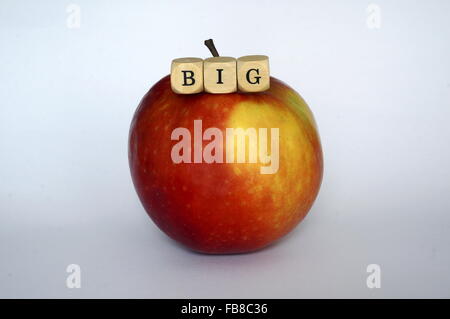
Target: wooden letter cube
220, 75
186, 75
253, 73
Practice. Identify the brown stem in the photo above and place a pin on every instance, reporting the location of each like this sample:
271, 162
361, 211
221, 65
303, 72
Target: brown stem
210, 44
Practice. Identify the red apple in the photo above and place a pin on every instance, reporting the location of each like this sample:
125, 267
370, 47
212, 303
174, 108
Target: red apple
225, 207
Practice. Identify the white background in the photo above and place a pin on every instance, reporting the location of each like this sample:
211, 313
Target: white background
381, 98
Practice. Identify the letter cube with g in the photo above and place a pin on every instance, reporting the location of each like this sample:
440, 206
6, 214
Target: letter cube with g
253, 73
186, 75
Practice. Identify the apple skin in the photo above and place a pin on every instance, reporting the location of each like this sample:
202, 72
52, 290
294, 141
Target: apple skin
225, 208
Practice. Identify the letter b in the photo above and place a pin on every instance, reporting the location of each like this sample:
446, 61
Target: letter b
188, 78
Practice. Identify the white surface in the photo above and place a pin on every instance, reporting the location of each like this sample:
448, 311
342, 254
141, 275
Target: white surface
381, 98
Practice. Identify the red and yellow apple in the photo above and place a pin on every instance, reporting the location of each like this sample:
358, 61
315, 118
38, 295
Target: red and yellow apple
224, 208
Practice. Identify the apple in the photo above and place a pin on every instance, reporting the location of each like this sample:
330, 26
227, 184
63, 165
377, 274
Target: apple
220, 206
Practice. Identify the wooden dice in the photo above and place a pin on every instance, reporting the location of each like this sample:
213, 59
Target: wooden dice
220, 75
253, 73
186, 75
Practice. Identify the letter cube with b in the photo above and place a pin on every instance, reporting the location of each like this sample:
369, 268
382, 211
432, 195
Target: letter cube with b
186, 75
253, 73
220, 75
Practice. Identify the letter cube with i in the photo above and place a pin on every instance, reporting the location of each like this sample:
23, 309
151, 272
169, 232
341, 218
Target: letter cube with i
220, 75
186, 75
253, 73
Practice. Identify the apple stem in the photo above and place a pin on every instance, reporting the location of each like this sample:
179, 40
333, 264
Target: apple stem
210, 44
